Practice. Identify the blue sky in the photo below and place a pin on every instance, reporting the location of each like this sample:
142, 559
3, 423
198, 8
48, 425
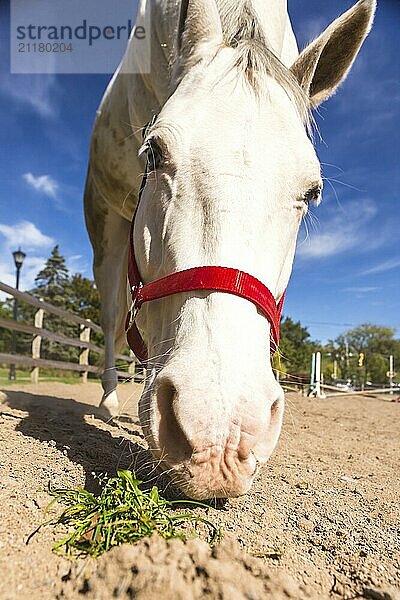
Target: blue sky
347, 267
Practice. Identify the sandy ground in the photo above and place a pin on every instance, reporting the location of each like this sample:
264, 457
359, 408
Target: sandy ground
322, 520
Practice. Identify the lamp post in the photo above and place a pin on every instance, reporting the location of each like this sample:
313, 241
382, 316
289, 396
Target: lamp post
19, 257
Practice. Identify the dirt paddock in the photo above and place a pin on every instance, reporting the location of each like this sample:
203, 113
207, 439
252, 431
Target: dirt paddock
322, 520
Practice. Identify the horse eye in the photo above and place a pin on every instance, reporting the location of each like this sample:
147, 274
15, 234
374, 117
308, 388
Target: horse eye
313, 195
154, 155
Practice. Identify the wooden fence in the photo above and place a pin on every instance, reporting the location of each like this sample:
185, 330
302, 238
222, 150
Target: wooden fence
38, 333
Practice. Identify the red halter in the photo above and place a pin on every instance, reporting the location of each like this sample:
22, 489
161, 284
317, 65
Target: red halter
211, 278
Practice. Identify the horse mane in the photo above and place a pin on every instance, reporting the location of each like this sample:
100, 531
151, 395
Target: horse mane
243, 31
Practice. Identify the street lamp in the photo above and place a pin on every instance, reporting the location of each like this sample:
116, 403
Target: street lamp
19, 257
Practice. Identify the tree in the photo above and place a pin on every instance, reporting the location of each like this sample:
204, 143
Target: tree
368, 338
296, 347
53, 279
83, 298
52, 284
377, 366
375, 343
5, 334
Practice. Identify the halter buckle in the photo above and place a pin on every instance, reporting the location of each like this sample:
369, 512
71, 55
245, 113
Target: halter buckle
134, 309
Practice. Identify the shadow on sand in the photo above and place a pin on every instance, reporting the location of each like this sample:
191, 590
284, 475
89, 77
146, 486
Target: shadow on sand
79, 432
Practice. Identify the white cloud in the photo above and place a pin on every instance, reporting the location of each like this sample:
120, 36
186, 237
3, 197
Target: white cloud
78, 264
387, 265
24, 234
345, 231
32, 241
42, 183
361, 290
37, 246
30, 268
36, 91
326, 244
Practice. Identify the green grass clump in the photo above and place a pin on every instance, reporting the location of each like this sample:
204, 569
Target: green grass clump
121, 514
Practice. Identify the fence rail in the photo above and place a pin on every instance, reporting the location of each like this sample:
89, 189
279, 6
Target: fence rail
49, 308
19, 359
82, 341
49, 335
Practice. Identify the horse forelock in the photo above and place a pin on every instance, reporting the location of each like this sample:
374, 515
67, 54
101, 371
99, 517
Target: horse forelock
243, 31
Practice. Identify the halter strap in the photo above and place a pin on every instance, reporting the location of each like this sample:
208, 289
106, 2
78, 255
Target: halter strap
213, 279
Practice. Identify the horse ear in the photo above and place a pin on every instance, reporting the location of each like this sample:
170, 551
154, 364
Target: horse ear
325, 63
199, 25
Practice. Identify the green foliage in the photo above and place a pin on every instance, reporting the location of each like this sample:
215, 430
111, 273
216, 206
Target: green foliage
5, 334
376, 343
377, 366
368, 338
121, 514
295, 347
52, 280
83, 298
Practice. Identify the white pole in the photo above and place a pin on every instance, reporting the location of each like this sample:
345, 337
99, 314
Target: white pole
312, 375
391, 372
318, 374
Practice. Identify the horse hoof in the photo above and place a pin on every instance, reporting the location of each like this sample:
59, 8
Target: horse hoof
109, 406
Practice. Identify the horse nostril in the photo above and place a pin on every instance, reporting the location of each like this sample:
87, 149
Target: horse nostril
174, 445
274, 408
276, 412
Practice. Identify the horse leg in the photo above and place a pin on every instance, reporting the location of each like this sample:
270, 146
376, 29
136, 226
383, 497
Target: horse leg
109, 233
111, 280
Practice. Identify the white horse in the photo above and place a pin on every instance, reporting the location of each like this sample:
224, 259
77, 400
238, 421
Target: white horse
232, 170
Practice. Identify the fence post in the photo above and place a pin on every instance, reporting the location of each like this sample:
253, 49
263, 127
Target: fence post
84, 354
36, 343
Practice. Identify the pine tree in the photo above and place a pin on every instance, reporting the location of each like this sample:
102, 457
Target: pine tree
53, 279
52, 285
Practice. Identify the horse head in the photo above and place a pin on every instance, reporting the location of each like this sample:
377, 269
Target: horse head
231, 172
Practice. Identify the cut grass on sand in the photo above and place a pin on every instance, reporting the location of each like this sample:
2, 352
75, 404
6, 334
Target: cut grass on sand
121, 514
